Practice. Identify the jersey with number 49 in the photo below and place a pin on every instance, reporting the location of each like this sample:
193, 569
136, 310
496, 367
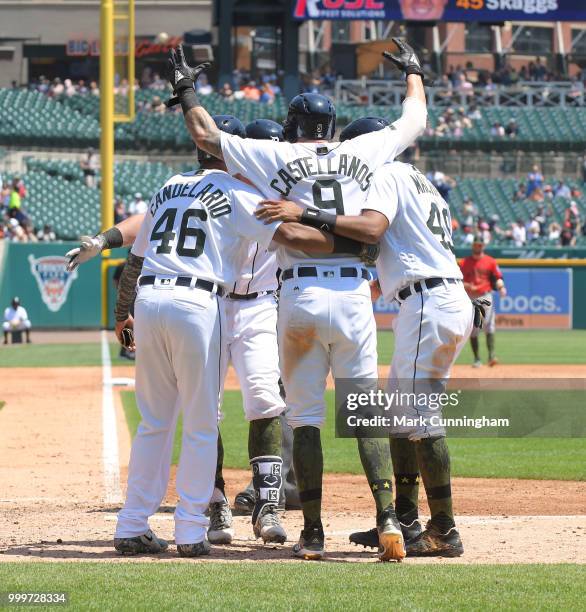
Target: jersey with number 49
200, 224
418, 242
331, 176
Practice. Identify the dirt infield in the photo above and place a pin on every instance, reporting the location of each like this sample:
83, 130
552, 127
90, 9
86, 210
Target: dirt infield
52, 487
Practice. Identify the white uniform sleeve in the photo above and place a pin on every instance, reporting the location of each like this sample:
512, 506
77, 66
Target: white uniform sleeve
23, 313
141, 242
384, 145
254, 159
7, 314
246, 201
382, 195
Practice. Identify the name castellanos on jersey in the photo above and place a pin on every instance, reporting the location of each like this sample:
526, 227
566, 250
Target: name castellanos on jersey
212, 198
305, 167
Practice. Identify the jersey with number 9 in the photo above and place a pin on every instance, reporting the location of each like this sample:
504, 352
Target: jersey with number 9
418, 243
201, 224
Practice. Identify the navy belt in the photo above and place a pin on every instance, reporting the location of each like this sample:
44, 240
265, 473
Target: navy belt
186, 281
311, 271
430, 283
249, 296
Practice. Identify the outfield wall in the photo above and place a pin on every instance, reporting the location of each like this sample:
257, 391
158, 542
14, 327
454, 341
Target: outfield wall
542, 293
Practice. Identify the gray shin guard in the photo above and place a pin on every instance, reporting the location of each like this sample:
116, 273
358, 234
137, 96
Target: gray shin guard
266, 479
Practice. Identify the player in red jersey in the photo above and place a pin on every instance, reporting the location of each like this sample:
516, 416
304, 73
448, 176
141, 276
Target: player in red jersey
482, 276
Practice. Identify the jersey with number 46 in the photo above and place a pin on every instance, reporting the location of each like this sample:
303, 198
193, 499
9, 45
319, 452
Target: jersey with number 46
418, 242
200, 224
331, 176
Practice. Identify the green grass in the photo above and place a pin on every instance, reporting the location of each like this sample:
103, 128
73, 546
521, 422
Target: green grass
523, 347
528, 458
315, 586
57, 355
530, 346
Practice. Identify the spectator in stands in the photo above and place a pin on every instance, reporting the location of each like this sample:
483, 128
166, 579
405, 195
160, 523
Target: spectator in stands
497, 130
139, 206
562, 190
464, 86
537, 70
533, 230
15, 199
520, 193
554, 231
568, 236
94, 89
89, 167
158, 106
68, 88
519, 233
443, 183
119, 211
512, 129
267, 95
227, 92
474, 113
16, 232
541, 219
445, 89
483, 230
46, 234
56, 88
251, 91
575, 192
534, 181
489, 90
203, 86
572, 216
16, 320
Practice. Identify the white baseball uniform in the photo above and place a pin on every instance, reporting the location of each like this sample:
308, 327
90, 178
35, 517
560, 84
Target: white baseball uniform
198, 226
325, 319
434, 323
16, 319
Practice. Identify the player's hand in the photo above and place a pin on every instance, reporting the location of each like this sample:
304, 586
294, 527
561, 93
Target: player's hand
89, 247
125, 333
375, 290
406, 59
180, 74
480, 307
503, 291
369, 253
278, 210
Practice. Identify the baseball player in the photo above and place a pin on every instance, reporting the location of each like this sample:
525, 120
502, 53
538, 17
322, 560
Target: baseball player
250, 340
417, 268
325, 318
192, 210
482, 276
16, 319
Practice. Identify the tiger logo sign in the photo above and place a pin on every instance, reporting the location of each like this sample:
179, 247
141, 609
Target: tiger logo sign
53, 279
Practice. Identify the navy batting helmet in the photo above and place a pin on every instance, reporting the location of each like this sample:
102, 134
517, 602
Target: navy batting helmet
264, 129
364, 125
225, 123
310, 116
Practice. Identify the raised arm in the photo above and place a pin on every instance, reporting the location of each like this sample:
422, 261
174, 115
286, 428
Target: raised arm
199, 123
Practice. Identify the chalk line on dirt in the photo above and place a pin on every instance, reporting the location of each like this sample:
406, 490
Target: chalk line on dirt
113, 492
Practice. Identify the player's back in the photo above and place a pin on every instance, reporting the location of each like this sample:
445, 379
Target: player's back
418, 243
197, 225
331, 176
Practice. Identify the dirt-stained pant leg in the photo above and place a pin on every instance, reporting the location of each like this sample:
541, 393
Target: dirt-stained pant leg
430, 331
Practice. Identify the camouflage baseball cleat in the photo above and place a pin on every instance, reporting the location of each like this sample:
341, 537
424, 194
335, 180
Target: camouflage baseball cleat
390, 536
145, 543
311, 545
433, 543
244, 503
198, 549
369, 539
220, 530
268, 527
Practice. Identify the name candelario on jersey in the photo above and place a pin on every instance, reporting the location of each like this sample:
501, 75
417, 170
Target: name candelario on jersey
305, 167
213, 198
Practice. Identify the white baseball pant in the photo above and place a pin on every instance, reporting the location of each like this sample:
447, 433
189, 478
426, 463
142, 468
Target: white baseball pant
178, 344
250, 342
324, 322
430, 331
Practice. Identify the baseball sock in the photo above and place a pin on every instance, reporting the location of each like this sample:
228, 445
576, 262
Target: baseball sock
490, 345
433, 457
474, 345
219, 482
264, 437
308, 462
376, 462
406, 471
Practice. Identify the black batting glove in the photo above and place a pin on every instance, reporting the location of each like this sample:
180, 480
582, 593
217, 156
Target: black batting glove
180, 74
369, 253
406, 59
